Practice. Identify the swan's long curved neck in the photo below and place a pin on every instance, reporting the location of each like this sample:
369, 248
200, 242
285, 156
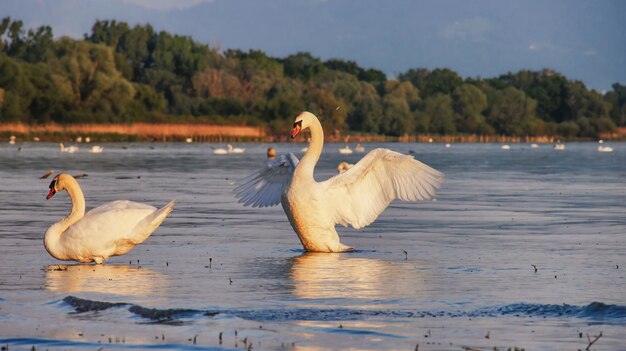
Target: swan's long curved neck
55, 232
312, 155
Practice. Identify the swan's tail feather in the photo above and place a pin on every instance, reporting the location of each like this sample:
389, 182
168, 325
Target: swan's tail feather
149, 224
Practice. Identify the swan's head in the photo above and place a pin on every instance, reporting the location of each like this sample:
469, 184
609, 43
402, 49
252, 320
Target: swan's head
302, 122
59, 183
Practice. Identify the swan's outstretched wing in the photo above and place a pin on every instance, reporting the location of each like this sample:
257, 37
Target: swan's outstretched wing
359, 195
265, 187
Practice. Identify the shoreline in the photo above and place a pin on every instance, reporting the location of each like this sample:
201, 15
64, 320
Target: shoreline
181, 132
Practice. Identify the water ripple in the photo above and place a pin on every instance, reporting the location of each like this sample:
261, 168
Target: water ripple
595, 311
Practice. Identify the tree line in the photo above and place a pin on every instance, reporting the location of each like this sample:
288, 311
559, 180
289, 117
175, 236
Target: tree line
122, 74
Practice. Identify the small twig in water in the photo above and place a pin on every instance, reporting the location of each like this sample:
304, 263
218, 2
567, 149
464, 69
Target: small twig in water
591, 342
535, 267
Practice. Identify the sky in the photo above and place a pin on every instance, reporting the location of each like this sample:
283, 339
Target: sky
582, 39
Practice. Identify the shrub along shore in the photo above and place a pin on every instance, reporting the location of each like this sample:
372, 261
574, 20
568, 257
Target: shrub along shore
126, 75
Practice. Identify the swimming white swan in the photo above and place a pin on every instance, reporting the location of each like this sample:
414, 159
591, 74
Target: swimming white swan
96, 149
355, 197
70, 149
229, 150
359, 148
112, 229
236, 150
345, 150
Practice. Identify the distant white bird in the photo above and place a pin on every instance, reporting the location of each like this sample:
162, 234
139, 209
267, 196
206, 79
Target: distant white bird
359, 148
605, 148
345, 150
87, 139
220, 151
96, 149
112, 229
12, 140
229, 150
79, 139
505, 147
355, 197
189, 140
70, 149
448, 145
559, 146
236, 150
534, 146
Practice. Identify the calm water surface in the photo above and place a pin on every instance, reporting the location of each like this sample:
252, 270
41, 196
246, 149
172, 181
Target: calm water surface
452, 274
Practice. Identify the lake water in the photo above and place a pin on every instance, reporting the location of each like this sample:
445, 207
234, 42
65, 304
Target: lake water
451, 274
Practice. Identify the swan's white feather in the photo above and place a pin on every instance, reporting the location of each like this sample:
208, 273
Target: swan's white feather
265, 187
359, 195
355, 197
114, 222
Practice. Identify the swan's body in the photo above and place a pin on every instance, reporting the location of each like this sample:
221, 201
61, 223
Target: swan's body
605, 148
534, 146
220, 151
229, 150
559, 147
112, 229
96, 149
505, 147
359, 148
355, 197
237, 150
70, 149
345, 150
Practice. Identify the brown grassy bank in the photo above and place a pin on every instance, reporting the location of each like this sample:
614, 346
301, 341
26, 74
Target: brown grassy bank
220, 133
134, 132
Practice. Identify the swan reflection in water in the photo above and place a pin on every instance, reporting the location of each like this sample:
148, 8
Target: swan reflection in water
106, 279
323, 275
359, 283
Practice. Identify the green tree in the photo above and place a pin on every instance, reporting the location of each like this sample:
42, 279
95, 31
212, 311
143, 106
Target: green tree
440, 80
400, 101
469, 102
509, 109
440, 113
303, 66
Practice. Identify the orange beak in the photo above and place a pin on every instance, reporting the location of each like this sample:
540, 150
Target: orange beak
296, 129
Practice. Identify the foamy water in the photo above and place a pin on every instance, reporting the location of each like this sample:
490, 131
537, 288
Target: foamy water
449, 274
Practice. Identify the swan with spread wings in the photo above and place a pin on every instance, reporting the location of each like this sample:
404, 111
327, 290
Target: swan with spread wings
355, 197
